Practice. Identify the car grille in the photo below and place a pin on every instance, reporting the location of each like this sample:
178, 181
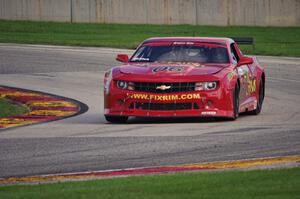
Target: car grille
174, 87
163, 106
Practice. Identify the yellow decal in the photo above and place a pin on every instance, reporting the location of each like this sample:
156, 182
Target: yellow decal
139, 96
252, 86
230, 76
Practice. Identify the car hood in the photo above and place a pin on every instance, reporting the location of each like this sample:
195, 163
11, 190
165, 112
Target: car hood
171, 69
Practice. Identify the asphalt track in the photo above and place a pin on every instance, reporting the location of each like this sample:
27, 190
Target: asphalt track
86, 142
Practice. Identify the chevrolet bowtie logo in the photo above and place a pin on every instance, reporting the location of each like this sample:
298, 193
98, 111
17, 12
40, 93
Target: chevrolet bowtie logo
163, 87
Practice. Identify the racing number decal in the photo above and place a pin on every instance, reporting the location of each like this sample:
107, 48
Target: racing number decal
167, 69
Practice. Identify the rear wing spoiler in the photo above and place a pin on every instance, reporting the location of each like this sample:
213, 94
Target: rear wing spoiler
244, 41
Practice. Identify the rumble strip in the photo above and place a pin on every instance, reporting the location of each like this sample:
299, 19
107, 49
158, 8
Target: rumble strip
237, 164
42, 107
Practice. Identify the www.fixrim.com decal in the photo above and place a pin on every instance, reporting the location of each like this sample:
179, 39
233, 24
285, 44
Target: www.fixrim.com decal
42, 107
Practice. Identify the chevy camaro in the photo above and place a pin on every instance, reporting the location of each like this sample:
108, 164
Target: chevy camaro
184, 77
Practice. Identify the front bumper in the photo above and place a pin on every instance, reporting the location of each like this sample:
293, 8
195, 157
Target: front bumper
205, 103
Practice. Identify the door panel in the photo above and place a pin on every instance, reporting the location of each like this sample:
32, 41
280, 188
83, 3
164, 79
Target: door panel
243, 72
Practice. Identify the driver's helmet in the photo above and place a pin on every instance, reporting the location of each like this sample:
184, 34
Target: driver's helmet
197, 54
219, 55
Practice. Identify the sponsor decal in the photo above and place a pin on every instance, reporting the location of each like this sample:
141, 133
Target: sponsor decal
140, 96
140, 59
230, 76
183, 43
195, 64
167, 69
251, 84
208, 113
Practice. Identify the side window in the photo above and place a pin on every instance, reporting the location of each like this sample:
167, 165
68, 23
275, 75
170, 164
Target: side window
234, 55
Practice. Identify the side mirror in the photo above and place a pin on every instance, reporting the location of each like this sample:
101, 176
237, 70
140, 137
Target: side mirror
122, 58
245, 60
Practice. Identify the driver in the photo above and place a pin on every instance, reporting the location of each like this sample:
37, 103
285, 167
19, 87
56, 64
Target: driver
174, 55
219, 55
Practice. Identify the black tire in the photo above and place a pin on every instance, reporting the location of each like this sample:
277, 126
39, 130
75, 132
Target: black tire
235, 101
260, 100
116, 119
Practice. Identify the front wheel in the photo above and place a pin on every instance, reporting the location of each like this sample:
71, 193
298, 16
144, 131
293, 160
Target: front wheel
116, 119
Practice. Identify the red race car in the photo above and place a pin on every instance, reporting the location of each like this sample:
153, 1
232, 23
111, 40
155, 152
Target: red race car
184, 76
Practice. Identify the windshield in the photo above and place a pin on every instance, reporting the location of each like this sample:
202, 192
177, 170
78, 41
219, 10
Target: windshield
204, 53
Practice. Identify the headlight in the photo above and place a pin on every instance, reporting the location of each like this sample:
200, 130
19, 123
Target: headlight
122, 84
205, 86
125, 85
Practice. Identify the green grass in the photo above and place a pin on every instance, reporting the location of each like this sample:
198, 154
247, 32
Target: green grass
266, 184
9, 109
284, 41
